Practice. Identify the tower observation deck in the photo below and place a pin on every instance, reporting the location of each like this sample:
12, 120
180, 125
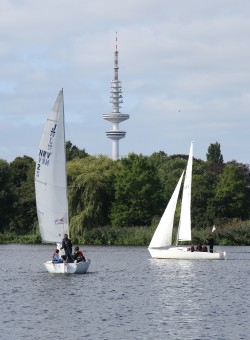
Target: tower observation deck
115, 117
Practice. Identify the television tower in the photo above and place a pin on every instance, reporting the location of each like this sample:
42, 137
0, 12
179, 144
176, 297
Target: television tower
115, 117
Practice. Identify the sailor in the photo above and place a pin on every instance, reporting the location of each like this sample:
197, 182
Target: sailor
67, 246
198, 248
210, 240
204, 248
55, 257
78, 255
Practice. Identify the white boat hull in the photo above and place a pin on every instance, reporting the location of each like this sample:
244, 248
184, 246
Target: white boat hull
181, 253
69, 268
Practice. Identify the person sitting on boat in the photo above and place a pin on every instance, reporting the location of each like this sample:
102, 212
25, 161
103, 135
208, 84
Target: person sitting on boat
204, 248
55, 257
78, 255
67, 246
190, 248
198, 248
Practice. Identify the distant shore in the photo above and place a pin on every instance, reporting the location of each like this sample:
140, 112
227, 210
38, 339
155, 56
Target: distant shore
236, 234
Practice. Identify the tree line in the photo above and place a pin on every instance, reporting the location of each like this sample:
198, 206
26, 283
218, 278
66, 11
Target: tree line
127, 193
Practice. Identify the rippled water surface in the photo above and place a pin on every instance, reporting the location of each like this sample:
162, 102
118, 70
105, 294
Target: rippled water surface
125, 295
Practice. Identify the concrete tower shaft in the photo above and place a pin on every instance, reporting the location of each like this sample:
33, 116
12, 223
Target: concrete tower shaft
115, 117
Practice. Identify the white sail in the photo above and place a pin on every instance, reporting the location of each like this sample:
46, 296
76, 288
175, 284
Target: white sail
160, 246
50, 177
184, 232
163, 234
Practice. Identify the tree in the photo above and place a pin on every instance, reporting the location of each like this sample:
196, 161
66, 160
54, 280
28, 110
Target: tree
232, 193
91, 192
6, 195
214, 154
136, 192
19, 170
203, 185
22, 171
72, 152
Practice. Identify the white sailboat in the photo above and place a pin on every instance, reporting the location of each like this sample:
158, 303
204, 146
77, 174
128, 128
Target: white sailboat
51, 187
161, 244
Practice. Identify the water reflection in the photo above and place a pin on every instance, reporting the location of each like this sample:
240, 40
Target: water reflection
175, 282
182, 268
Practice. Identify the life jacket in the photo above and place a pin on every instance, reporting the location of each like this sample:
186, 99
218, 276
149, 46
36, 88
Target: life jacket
55, 259
79, 256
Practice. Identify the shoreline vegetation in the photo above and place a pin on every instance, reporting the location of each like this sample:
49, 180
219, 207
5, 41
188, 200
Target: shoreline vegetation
236, 233
121, 202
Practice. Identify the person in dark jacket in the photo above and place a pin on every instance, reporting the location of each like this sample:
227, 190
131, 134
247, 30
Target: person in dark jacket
67, 246
78, 255
210, 240
198, 248
204, 248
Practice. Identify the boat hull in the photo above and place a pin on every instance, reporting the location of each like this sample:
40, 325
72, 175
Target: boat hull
67, 268
181, 253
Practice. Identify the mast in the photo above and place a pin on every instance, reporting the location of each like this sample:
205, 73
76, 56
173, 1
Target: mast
116, 117
184, 230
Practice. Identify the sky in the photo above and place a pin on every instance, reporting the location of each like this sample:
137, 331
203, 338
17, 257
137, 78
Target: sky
184, 67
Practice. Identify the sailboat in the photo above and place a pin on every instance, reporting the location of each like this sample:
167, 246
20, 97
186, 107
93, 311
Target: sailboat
161, 244
51, 187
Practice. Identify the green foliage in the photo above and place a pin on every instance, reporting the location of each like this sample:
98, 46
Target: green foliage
14, 238
168, 172
109, 199
136, 236
6, 195
32, 237
214, 154
91, 192
233, 232
24, 208
236, 233
228, 232
232, 194
136, 188
72, 152
19, 170
203, 184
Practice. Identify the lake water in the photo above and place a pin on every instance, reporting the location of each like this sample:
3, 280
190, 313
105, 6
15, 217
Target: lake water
125, 295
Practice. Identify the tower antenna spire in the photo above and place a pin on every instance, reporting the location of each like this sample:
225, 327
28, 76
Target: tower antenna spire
115, 117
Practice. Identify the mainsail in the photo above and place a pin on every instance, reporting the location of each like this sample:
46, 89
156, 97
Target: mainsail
50, 177
163, 234
184, 231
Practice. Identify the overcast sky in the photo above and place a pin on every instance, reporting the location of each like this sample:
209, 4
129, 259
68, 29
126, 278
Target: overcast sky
184, 67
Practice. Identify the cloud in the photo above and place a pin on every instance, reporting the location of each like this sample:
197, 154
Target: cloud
184, 68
